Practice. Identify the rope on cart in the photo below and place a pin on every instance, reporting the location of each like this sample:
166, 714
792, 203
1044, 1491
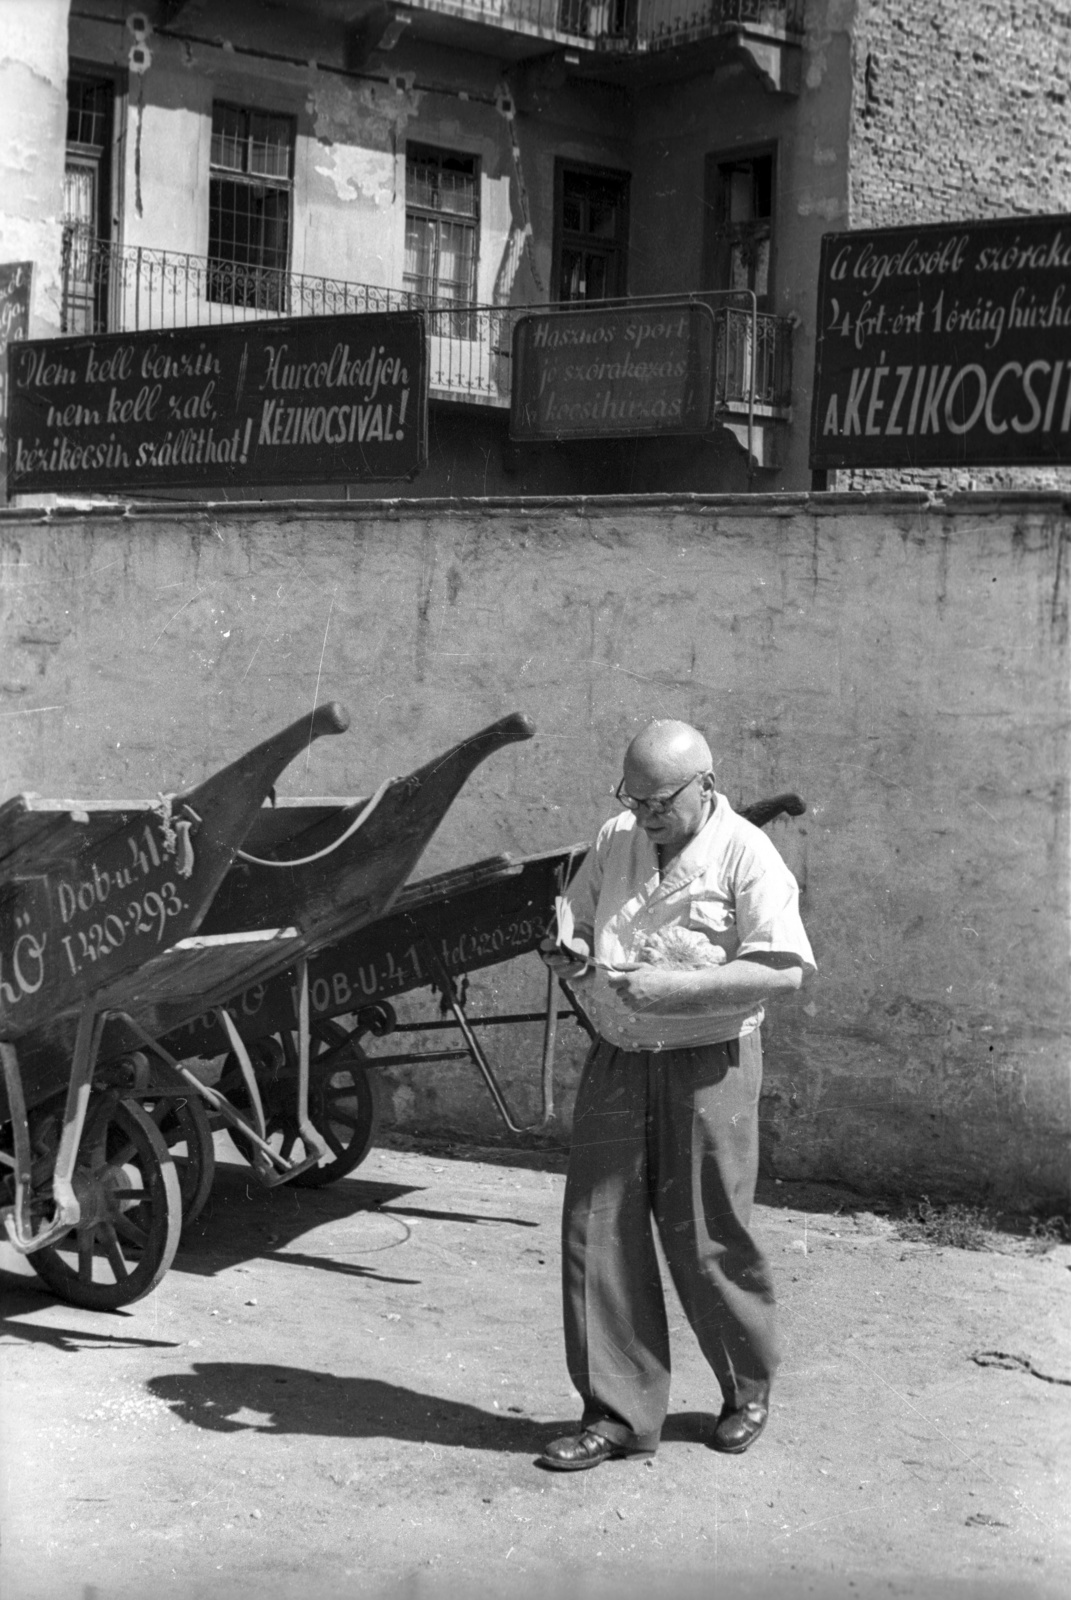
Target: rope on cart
304, 861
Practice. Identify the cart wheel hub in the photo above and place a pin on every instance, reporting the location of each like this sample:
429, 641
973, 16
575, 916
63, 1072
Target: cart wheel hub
99, 1196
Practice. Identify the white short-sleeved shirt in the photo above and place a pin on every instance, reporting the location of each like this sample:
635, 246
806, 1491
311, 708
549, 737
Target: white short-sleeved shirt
728, 883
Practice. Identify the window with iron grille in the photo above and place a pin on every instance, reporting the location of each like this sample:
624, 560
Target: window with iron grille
251, 180
442, 221
740, 216
86, 207
591, 233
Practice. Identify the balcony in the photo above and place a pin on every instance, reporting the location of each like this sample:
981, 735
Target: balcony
510, 30
625, 40
131, 289
641, 42
630, 41
652, 25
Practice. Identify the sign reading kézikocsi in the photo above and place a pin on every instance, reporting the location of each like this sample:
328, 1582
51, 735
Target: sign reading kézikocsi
597, 373
947, 345
301, 400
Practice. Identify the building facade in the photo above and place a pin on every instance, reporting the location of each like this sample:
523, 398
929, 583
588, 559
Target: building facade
200, 163
194, 162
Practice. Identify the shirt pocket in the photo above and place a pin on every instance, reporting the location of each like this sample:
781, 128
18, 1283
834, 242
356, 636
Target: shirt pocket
715, 917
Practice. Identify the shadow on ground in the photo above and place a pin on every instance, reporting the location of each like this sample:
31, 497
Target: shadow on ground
234, 1397
21, 1299
243, 1221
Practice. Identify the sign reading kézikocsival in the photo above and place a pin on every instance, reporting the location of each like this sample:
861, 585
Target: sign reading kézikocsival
297, 400
947, 345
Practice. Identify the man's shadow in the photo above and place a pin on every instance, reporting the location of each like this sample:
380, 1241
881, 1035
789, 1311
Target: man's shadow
237, 1397
245, 1397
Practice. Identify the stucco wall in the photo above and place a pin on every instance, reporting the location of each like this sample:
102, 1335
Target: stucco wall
903, 665
679, 126
350, 138
33, 123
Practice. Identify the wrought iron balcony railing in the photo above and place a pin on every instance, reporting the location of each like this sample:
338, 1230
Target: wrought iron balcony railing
644, 25
111, 288
626, 24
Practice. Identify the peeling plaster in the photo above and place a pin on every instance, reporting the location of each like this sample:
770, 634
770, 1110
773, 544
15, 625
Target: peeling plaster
838, 19
21, 158
824, 155
359, 174
11, 62
35, 39
369, 113
829, 208
816, 63
504, 105
511, 260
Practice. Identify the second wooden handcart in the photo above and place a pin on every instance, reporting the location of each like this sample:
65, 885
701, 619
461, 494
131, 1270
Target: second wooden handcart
90, 1101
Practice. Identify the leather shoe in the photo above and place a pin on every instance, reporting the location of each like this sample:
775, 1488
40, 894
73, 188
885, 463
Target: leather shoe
737, 1430
578, 1451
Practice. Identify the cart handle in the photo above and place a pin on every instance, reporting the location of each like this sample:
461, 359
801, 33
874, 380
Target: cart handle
303, 861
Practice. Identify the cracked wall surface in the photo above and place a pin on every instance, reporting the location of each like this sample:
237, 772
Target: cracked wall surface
33, 118
902, 665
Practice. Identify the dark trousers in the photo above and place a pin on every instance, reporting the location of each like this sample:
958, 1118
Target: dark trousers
671, 1134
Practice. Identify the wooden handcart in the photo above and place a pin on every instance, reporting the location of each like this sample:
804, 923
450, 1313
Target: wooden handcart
213, 893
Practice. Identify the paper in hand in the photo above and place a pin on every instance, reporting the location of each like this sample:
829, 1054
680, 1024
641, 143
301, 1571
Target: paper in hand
567, 937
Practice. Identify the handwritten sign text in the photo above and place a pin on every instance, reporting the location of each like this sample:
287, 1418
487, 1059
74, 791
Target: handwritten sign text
598, 372
944, 346
316, 399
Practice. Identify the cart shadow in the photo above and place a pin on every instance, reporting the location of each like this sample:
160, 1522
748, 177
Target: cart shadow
238, 1397
242, 1221
19, 1302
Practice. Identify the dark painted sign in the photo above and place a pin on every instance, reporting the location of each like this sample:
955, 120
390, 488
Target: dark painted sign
15, 279
113, 908
308, 400
597, 372
467, 930
944, 346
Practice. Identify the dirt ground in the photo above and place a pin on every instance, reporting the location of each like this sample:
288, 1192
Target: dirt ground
342, 1393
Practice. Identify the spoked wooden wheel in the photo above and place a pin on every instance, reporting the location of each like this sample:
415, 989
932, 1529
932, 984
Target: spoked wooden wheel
344, 1101
128, 1190
182, 1118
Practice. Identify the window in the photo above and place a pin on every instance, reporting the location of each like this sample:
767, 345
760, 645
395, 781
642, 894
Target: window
740, 224
86, 223
251, 177
592, 214
442, 220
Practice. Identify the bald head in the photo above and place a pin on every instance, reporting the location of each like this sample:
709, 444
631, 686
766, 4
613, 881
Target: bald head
663, 754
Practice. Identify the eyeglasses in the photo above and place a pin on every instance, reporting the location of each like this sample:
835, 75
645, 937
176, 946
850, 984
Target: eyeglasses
657, 805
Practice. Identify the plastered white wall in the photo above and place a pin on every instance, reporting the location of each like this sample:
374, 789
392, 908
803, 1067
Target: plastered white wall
33, 125
903, 665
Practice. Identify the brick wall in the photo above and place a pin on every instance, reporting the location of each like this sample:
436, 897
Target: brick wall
960, 111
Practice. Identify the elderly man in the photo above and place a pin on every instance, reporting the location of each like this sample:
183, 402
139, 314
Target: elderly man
666, 1119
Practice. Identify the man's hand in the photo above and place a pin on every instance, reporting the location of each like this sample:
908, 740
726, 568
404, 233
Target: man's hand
563, 963
745, 982
648, 988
